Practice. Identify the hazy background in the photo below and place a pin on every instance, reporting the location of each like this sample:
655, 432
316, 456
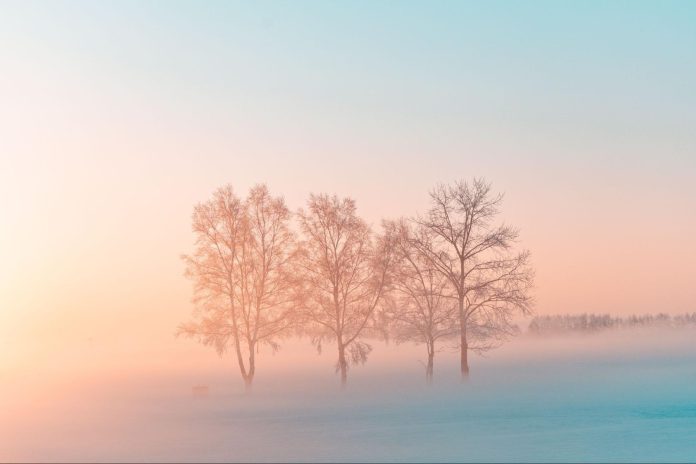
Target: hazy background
115, 119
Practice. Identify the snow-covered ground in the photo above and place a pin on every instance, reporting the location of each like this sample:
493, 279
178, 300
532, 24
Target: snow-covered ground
622, 396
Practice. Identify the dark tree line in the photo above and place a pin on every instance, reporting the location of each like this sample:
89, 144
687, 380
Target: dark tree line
450, 275
542, 325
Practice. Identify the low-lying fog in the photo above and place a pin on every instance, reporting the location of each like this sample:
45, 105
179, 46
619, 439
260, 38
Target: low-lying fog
620, 395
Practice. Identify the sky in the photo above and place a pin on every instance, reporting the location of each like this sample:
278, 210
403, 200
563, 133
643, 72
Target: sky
116, 118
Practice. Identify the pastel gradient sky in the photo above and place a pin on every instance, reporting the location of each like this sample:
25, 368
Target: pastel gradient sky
116, 118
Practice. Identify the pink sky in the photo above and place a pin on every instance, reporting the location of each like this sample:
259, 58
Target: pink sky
108, 140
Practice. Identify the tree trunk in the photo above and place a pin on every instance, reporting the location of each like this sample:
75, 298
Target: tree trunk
240, 361
249, 379
429, 367
464, 346
343, 365
464, 353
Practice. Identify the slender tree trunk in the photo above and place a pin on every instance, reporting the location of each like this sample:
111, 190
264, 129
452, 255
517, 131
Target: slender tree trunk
431, 359
240, 362
465, 354
342, 364
247, 376
249, 379
463, 342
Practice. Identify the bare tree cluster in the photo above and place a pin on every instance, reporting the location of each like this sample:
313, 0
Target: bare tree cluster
451, 275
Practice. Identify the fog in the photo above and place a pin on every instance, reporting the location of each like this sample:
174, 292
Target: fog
620, 395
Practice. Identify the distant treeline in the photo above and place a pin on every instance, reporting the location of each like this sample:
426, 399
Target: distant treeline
593, 322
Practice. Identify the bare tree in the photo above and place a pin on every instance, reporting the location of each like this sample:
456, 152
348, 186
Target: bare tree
345, 272
491, 281
243, 274
422, 305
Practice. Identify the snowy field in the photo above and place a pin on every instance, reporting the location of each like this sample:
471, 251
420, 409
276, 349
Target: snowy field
621, 396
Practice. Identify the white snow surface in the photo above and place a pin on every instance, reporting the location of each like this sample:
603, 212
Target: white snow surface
622, 396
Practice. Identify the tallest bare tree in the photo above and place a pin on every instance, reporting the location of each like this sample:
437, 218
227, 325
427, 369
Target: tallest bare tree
491, 281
